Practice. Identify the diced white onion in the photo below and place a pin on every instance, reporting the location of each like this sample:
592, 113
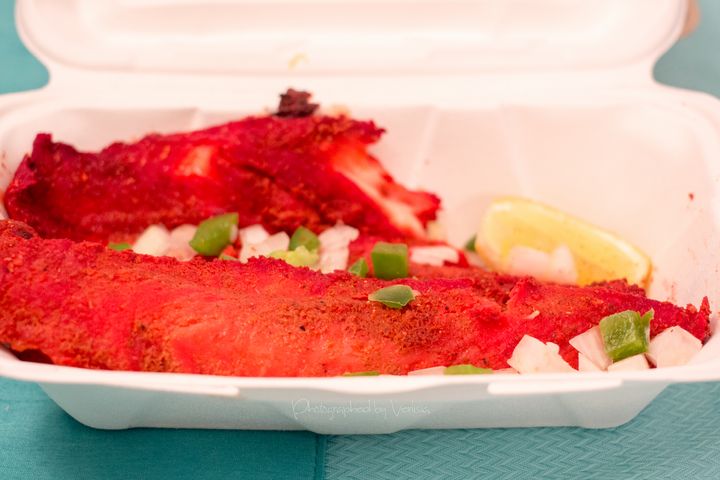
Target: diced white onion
429, 371
533, 356
562, 266
3, 212
590, 344
277, 241
337, 237
527, 261
586, 365
528, 352
557, 266
673, 347
179, 242
153, 241
334, 247
250, 238
435, 255
636, 362
273, 243
331, 260
253, 235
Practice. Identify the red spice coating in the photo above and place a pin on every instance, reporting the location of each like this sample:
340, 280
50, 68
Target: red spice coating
280, 172
82, 304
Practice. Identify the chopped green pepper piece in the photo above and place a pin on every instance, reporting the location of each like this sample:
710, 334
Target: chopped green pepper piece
369, 373
304, 237
359, 268
470, 244
390, 260
300, 257
213, 234
119, 247
467, 369
626, 333
394, 296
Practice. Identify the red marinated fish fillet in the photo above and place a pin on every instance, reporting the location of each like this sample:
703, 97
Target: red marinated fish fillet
279, 172
82, 304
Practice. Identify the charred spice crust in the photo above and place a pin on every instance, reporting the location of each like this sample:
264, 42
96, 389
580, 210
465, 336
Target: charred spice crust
295, 103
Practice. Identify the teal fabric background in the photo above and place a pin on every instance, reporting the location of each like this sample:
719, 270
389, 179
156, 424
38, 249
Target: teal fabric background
677, 437
39, 441
694, 62
19, 70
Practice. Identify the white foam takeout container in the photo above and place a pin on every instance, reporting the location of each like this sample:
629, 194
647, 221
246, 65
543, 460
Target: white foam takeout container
552, 100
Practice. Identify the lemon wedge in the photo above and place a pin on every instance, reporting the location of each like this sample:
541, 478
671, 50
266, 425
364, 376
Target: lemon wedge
512, 224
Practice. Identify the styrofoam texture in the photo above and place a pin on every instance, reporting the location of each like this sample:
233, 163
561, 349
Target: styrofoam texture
603, 145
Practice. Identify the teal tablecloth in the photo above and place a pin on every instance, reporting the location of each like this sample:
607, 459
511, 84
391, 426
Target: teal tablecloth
39, 441
677, 437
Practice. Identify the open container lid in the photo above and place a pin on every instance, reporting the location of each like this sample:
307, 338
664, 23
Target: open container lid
369, 37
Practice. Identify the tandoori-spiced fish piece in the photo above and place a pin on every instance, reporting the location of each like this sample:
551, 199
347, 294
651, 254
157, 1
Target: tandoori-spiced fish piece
278, 171
82, 304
